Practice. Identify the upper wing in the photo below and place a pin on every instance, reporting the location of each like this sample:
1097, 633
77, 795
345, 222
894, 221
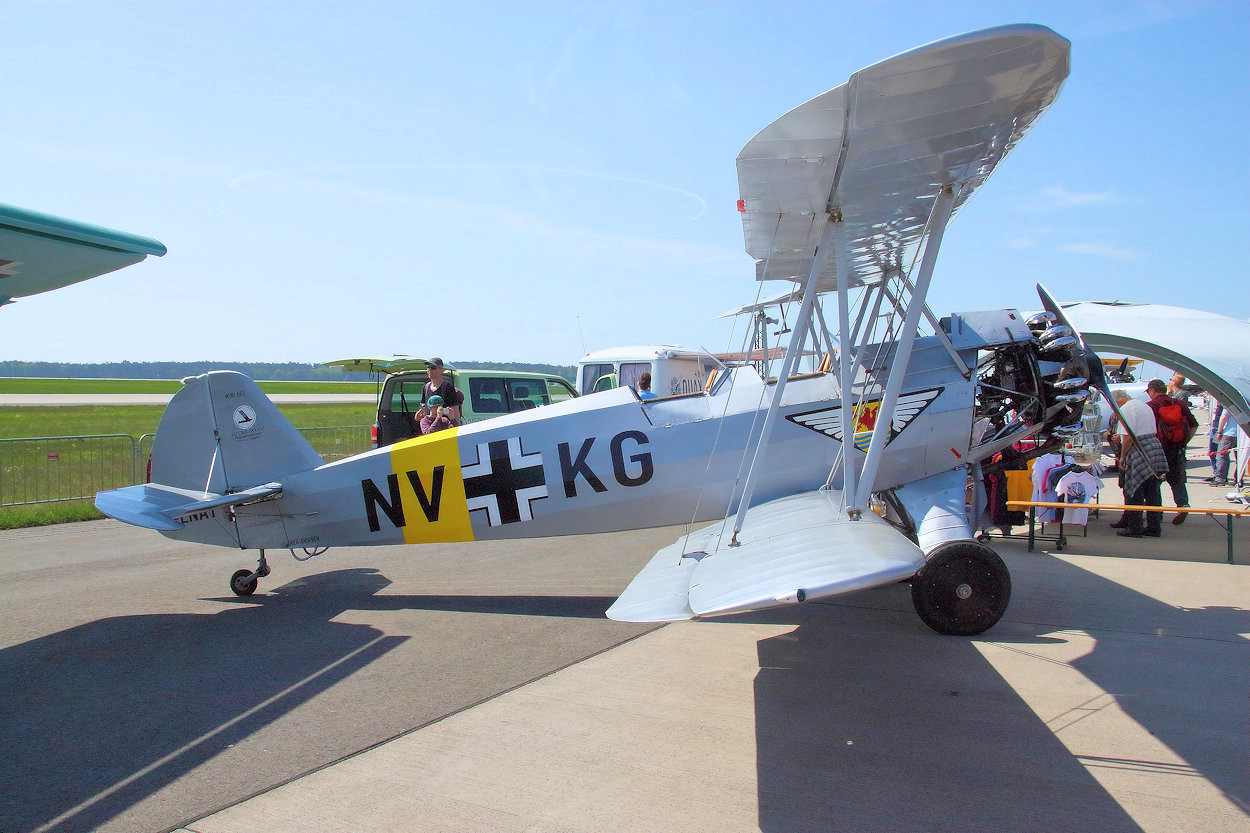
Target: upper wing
39, 252
792, 294
880, 147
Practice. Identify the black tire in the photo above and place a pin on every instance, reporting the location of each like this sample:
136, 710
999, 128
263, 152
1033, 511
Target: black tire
962, 590
239, 586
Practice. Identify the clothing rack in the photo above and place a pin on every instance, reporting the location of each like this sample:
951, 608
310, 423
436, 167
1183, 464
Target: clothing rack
1034, 534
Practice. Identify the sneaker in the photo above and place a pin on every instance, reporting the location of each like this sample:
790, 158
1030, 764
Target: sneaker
1210, 479
1219, 482
1180, 516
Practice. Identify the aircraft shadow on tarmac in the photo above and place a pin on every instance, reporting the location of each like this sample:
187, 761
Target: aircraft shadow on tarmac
864, 719
96, 718
579, 607
870, 722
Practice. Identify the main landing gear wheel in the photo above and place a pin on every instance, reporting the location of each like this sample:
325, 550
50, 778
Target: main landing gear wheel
244, 582
962, 590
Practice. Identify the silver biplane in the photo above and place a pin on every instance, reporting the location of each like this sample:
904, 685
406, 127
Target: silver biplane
855, 474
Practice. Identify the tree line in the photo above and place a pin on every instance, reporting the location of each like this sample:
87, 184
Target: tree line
273, 371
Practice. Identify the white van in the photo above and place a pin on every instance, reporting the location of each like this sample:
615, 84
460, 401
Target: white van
674, 370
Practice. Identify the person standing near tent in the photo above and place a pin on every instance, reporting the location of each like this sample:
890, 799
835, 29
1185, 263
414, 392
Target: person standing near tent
1213, 442
1144, 464
1227, 432
1176, 388
1175, 426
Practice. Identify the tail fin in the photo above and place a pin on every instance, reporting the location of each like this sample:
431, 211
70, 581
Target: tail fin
220, 434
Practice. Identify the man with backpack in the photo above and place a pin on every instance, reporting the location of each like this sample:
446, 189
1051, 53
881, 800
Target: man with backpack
1175, 426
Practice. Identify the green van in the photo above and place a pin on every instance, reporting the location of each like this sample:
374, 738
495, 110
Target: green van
487, 393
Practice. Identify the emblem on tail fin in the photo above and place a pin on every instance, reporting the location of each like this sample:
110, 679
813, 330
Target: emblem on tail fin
828, 421
245, 417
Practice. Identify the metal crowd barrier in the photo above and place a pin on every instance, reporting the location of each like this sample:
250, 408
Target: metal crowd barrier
51, 469
336, 443
47, 469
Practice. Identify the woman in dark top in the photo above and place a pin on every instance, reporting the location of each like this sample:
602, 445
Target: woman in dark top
442, 387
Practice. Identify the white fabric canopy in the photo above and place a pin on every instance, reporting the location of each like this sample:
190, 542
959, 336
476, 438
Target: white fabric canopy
1212, 350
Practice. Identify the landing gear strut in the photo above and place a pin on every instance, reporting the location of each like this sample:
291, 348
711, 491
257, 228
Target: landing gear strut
962, 590
243, 582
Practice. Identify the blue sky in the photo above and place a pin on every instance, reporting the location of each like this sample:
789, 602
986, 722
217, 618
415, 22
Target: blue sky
519, 181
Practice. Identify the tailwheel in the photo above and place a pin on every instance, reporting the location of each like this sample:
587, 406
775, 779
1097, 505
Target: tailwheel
962, 590
243, 582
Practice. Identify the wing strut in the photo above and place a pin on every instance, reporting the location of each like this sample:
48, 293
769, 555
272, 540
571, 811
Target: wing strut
846, 360
940, 333
939, 217
787, 365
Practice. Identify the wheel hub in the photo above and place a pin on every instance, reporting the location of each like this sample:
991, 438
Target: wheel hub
964, 591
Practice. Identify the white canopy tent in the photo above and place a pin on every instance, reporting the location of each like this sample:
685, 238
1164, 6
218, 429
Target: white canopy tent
1210, 349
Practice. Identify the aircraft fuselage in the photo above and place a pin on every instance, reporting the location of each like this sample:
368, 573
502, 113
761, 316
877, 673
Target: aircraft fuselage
602, 463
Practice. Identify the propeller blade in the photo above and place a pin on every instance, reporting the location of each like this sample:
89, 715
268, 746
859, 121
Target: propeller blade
1097, 374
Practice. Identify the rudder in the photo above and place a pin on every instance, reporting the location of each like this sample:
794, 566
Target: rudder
221, 434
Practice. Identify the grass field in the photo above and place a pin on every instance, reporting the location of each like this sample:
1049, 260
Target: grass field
132, 420
21, 385
137, 420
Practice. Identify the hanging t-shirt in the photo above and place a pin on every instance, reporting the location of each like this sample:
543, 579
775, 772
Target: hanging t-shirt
1077, 487
1042, 490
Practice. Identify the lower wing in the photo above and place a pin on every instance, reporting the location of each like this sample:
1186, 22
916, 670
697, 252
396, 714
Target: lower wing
793, 549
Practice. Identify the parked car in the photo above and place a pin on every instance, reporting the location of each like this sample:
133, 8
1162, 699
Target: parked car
487, 393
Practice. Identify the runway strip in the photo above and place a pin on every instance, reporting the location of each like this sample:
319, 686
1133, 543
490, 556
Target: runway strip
65, 399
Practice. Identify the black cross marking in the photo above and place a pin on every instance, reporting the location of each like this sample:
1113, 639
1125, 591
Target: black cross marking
499, 489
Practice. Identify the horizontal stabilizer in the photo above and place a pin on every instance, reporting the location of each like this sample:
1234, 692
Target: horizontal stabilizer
790, 550
154, 506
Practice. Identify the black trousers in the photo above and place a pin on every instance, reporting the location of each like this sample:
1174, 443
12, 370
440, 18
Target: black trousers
1147, 494
1177, 474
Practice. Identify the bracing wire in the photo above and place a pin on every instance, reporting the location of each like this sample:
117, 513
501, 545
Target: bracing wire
720, 426
755, 419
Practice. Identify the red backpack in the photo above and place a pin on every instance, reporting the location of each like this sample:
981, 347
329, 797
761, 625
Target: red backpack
1170, 422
